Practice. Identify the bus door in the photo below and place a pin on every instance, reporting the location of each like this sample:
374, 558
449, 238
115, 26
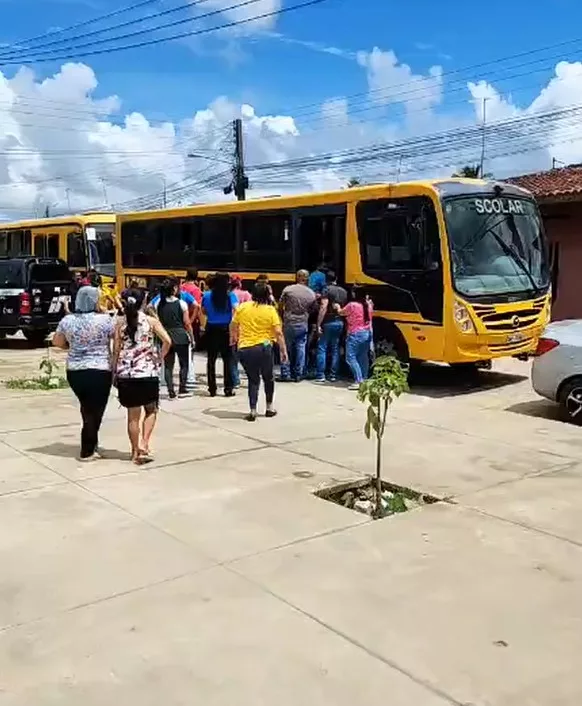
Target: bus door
320, 238
77, 257
399, 246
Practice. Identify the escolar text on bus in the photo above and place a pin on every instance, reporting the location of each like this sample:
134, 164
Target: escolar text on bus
507, 206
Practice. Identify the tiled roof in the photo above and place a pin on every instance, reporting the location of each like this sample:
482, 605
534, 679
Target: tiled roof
562, 182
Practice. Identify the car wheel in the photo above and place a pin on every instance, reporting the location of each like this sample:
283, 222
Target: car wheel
571, 401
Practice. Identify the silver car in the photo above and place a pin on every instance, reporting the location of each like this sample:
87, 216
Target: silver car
557, 367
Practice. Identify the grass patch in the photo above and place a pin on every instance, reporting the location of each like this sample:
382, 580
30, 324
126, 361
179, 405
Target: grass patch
37, 383
49, 379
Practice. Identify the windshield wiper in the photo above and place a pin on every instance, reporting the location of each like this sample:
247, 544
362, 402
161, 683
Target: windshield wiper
482, 231
514, 257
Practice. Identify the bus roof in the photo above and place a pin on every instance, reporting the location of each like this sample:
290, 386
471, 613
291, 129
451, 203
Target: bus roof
82, 218
382, 190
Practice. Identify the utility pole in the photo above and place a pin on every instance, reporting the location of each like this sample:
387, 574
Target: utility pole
240, 182
68, 193
482, 163
165, 194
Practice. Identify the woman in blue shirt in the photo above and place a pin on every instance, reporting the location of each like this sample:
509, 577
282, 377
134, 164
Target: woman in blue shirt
218, 305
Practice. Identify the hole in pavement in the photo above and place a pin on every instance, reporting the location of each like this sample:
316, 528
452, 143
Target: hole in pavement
361, 497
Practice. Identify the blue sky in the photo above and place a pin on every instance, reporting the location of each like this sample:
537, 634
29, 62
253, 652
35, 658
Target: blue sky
276, 75
396, 71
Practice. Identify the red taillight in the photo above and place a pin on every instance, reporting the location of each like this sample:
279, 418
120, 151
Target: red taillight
545, 345
25, 307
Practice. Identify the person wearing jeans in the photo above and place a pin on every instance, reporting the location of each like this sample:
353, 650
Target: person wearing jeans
358, 314
330, 327
254, 329
297, 302
87, 336
358, 355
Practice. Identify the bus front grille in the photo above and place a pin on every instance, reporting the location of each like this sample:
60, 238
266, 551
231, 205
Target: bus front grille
512, 320
510, 348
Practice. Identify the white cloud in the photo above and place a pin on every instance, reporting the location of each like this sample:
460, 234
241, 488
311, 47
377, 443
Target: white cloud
535, 147
241, 12
391, 82
61, 145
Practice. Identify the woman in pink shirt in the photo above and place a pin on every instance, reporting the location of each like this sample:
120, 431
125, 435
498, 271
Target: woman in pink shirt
358, 314
236, 288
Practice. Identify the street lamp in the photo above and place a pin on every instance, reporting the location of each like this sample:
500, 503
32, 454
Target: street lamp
197, 155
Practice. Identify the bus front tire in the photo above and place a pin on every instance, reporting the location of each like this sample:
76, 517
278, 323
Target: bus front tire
389, 341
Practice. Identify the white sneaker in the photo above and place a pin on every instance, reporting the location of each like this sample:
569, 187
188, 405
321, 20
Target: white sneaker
354, 386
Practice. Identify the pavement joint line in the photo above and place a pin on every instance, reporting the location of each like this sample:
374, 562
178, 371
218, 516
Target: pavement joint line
9, 493
150, 468
534, 474
522, 525
501, 442
41, 428
214, 564
104, 599
78, 484
351, 640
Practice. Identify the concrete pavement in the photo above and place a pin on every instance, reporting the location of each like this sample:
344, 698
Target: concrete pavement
215, 576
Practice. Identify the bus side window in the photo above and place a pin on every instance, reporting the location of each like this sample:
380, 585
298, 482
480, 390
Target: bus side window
52, 245
76, 251
3, 243
398, 234
40, 245
215, 242
26, 242
266, 242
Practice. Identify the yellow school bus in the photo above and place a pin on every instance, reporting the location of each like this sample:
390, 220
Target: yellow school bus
457, 268
85, 242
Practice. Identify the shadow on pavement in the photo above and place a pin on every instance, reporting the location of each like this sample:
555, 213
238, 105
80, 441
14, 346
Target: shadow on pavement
72, 451
17, 344
541, 409
443, 381
224, 413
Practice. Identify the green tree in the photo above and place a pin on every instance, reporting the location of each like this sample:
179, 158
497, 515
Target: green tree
471, 171
389, 380
353, 182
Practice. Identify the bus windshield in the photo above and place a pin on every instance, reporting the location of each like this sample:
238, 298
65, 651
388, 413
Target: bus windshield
101, 247
497, 246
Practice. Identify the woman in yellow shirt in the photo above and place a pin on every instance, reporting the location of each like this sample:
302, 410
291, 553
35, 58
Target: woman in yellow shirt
255, 327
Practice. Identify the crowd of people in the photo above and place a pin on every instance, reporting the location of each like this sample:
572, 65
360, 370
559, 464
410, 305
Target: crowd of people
137, 350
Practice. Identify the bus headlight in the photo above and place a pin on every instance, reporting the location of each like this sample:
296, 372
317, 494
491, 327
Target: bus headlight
463, 319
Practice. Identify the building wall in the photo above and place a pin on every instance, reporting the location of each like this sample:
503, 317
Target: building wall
563, 223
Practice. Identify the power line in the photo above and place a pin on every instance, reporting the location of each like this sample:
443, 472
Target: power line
128, 23
85, 23
461, 70
182, 35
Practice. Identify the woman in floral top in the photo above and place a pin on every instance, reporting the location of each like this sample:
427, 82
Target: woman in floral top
136, 364
86, 336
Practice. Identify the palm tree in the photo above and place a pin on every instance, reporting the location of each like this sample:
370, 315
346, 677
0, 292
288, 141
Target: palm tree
471, 171
353, 182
